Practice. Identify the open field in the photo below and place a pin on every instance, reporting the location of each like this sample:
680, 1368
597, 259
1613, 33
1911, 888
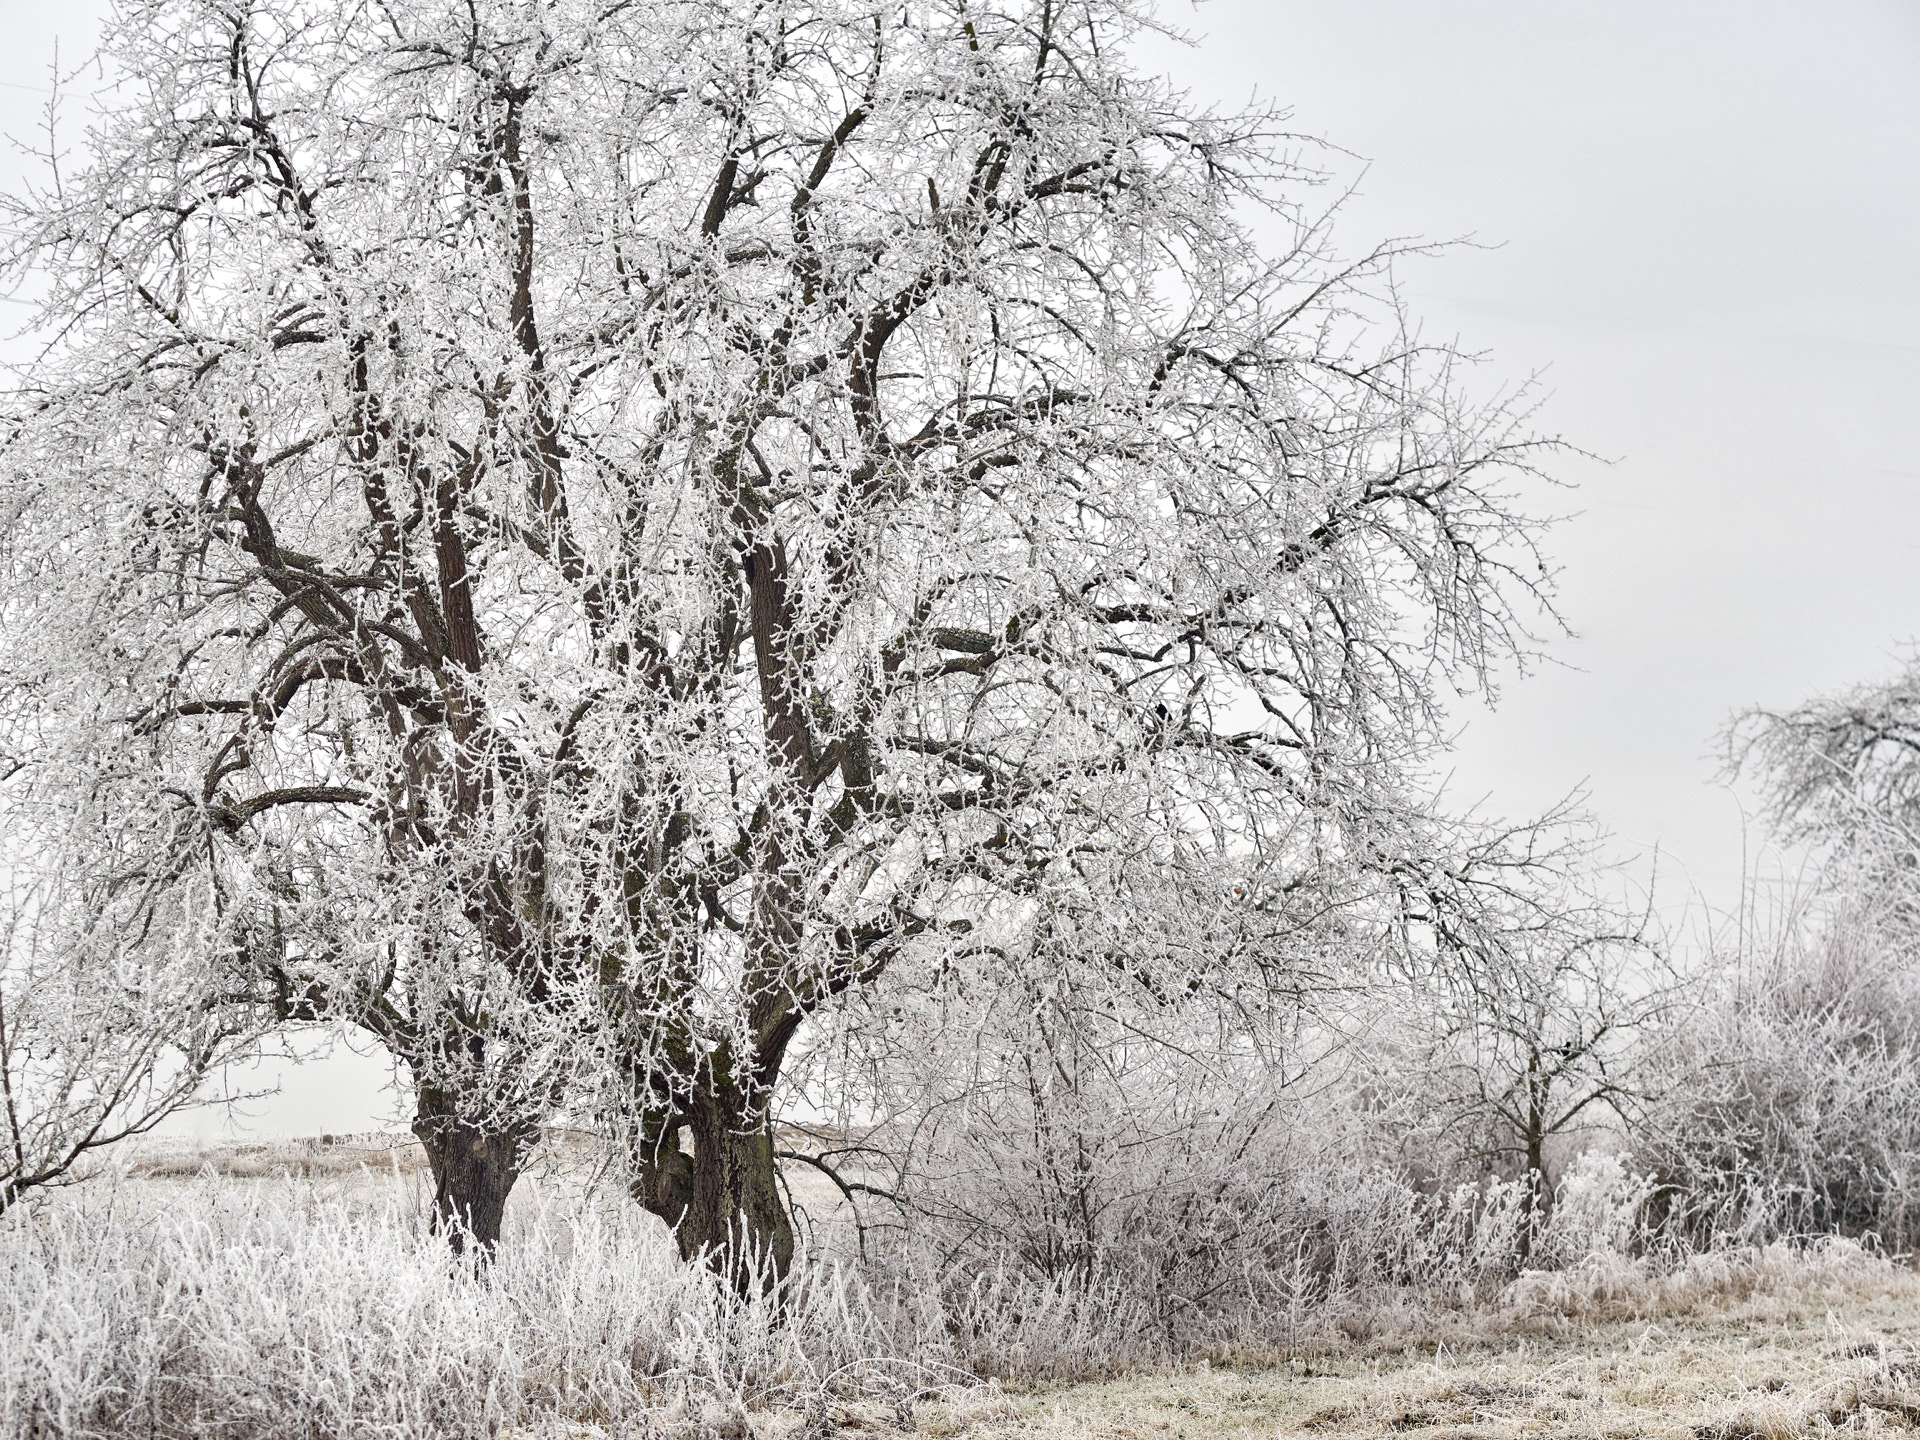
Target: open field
248, 1292
1765, 1369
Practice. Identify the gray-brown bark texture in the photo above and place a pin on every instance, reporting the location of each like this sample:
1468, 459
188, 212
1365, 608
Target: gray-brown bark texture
722, 1200
474, 1168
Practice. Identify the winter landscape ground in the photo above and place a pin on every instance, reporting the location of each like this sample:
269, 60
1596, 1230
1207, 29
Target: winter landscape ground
282, 1290
1803, 1359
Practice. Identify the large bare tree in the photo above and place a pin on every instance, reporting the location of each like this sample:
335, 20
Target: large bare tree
646, 514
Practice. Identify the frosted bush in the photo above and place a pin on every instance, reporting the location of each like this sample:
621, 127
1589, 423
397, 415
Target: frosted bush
1788, 1099
1599, 1208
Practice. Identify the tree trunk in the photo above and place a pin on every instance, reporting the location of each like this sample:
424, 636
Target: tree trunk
727, 1194
663, 1173
474, 1168
1539, 1197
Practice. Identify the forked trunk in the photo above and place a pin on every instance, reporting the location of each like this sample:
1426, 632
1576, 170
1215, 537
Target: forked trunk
663, 1178
722, 1201
474, 1168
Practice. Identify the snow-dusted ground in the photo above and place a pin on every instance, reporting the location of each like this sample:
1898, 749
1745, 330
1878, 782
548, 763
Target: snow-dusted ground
293, 1290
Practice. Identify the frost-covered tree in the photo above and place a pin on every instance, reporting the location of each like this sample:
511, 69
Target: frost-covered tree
114, 1006
634, 518
1839, 764
1531, 1019
1841, 773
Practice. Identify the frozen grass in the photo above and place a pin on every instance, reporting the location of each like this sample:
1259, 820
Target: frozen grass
275, 1309
1830, 1348
313, 1304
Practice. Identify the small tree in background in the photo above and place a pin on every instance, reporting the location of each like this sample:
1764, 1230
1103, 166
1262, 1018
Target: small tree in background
1513, 1010
1841, 773
1544, 1040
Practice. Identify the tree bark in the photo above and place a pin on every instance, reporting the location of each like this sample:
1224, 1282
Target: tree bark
474, 1168
1539, 1197
722, 1201
663, 1175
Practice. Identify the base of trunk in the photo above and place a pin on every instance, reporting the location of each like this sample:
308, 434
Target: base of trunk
722, 1202
474, 1169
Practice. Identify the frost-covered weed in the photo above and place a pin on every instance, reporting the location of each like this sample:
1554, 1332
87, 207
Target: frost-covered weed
1609, 1284
233, 1310
246, 1310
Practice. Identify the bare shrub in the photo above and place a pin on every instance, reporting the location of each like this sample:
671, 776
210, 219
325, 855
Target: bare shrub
1201, 1207
1791, 1092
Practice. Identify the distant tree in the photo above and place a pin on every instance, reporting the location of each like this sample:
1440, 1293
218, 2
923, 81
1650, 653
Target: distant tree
1840, 761
1527, 1000
1793, 1099
1842, 773
634, 518
1547, 1042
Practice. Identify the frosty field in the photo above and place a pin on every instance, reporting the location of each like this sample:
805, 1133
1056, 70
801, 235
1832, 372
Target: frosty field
1791, 1363
291, 1291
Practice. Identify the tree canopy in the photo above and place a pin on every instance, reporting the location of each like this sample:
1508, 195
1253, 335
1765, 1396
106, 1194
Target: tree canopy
604, 525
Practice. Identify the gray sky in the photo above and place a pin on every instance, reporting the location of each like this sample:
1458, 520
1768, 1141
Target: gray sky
1707, 228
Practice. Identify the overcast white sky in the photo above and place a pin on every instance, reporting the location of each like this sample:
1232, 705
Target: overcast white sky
1707, 221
